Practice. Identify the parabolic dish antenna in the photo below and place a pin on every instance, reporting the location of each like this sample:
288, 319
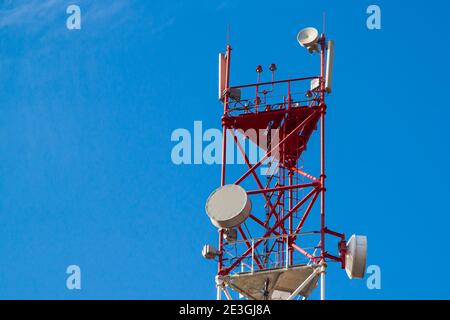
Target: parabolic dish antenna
355, 258
308, 37
228, 206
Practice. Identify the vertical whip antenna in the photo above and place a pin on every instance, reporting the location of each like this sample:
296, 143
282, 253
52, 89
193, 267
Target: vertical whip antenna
228, 34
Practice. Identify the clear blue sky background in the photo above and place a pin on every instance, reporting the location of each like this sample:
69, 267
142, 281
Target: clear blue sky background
86, 175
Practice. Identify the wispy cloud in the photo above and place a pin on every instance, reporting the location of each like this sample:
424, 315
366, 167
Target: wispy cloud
33, 15
32, 12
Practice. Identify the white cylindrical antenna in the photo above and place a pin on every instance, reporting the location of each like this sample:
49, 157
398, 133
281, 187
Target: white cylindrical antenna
222, 74
329, 71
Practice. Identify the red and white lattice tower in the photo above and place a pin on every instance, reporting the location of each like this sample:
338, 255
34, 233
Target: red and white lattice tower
271, 215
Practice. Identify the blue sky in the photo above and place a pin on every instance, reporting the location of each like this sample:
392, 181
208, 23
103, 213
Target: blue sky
86, 175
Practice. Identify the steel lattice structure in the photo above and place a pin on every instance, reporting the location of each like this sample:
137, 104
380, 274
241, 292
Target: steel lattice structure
271, 237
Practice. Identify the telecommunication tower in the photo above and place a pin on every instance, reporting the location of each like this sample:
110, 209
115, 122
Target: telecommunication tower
272, 226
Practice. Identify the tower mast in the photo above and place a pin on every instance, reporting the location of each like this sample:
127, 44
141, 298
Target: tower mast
272, 238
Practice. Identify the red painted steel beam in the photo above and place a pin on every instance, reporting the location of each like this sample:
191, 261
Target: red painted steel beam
258, 181
274, 82
330, 256
334, 233
258, 221
272, 211
269, 232
282, 188
254, 167
303, 251
306, 175
272, 207
307, 211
